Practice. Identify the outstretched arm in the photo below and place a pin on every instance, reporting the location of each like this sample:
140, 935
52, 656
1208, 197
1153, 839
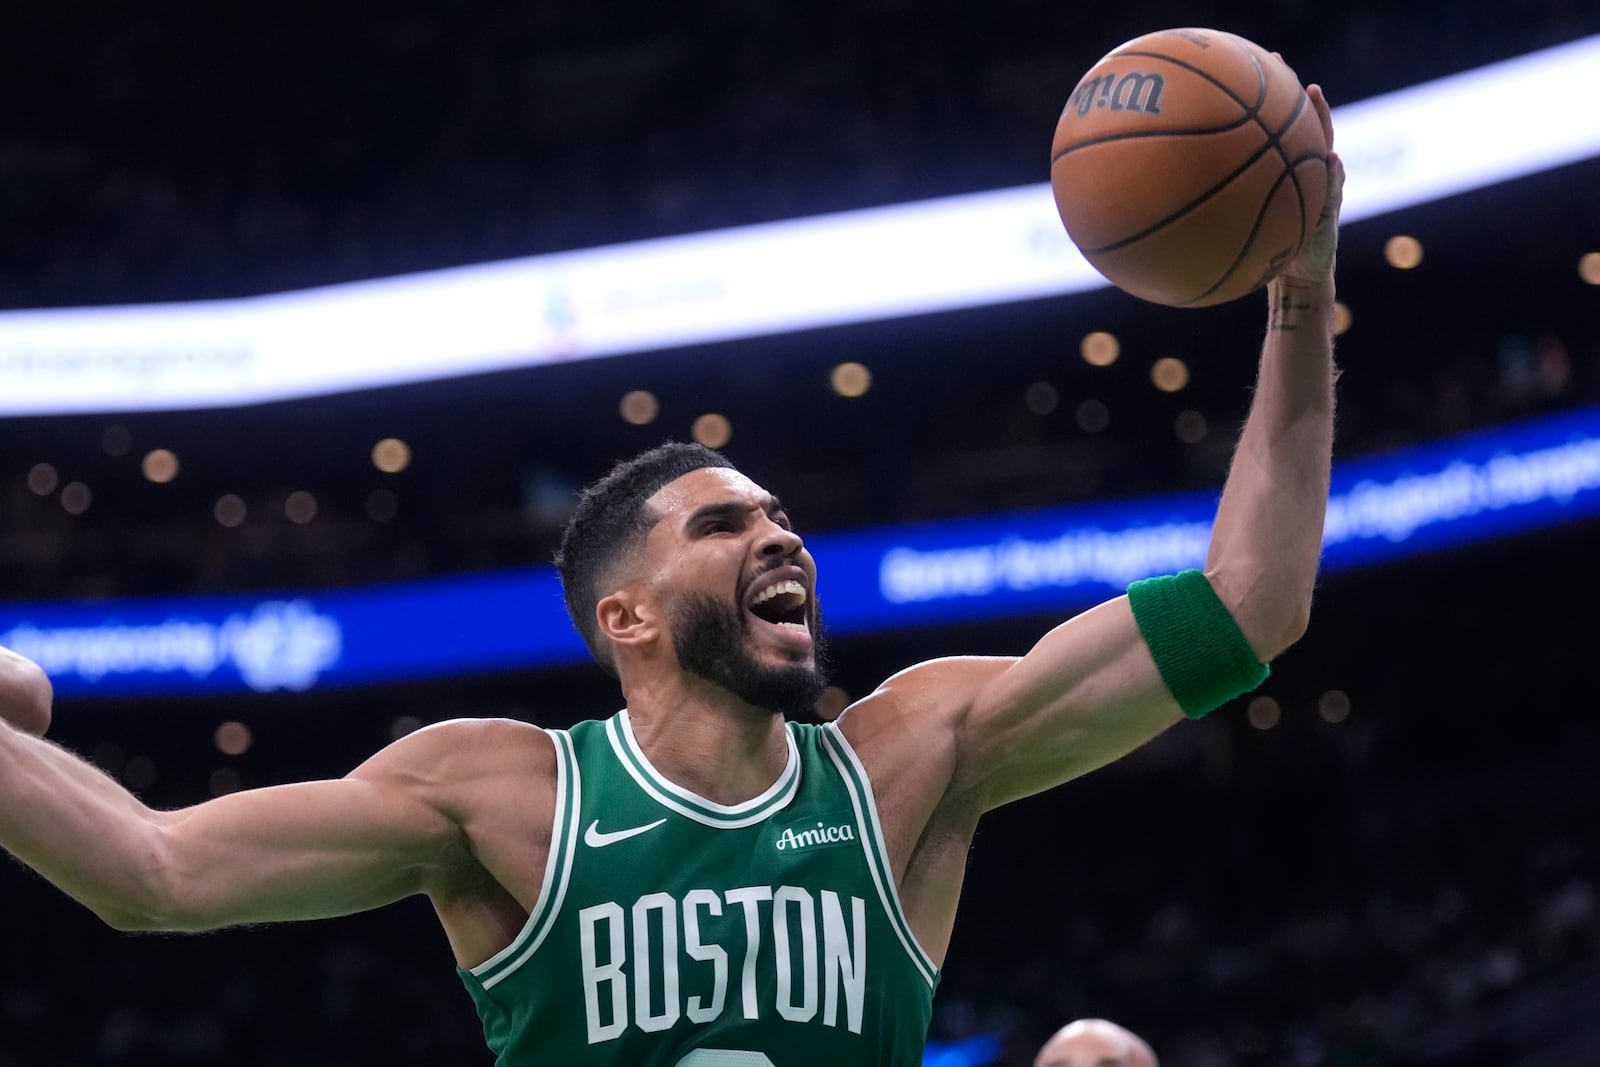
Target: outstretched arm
1266, 542
1091, 691
301, 851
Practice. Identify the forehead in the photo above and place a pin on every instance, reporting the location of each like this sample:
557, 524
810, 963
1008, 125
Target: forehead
680, 497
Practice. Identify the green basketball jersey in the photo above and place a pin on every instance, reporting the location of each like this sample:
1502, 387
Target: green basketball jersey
674, 932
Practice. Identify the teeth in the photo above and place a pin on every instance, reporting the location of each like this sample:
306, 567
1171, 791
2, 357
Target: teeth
797, 627
778, 589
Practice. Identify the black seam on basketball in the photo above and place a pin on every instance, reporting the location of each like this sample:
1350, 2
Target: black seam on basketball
1290, 165
1249, 242
1294, 176
1184, 210
1140, 135
1275, 137
1299, 106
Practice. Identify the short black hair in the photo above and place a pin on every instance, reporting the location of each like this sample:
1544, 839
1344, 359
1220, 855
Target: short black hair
609, 522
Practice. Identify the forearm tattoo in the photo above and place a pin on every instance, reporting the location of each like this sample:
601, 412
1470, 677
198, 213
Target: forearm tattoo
1286, 310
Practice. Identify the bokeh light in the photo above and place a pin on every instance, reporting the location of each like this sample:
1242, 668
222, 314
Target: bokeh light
391, 455
139, 773
233, 738
639, 407
76, 498
1169, 374
160, 465
1042, 398
712, 430
43, 479
1092, 416
1264, 713
1334, 706
229, 510
1100, 349
1190, 427
1402, 252
850, 379
1341, 318
300, 507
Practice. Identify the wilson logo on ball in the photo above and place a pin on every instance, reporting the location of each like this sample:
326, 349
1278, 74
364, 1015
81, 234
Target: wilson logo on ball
1134, 91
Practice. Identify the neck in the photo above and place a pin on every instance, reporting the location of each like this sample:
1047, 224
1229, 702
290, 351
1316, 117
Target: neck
707, 741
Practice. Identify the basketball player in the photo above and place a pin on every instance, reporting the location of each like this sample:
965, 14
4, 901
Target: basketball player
1095, 1043
696, 881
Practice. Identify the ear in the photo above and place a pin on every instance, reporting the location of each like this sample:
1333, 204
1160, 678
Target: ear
626, 618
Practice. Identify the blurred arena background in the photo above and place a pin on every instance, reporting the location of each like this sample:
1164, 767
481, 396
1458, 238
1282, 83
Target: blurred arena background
1388, 855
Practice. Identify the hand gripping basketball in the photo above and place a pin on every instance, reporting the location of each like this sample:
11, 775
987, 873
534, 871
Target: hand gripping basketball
1317, 257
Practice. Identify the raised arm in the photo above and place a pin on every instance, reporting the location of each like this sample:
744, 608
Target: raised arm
1091, 690
301, 851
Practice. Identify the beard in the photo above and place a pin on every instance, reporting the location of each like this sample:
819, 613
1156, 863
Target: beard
710, 639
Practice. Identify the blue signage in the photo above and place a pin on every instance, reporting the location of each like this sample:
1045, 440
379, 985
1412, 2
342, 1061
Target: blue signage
1381, 508
297, 640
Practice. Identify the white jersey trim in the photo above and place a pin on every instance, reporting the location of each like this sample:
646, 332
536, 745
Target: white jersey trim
691, 805
865, 803
557, 869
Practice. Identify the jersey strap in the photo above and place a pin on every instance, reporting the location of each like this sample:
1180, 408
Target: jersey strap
557, 871
873, 847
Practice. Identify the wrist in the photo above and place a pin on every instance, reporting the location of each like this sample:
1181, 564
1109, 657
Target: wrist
1295, 302
1319, 289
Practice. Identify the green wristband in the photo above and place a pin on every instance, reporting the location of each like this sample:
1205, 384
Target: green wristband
1198, 647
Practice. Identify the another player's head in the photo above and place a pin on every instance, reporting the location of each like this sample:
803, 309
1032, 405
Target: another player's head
1095, 1043
676, 542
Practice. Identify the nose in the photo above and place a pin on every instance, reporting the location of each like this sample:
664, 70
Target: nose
777, 541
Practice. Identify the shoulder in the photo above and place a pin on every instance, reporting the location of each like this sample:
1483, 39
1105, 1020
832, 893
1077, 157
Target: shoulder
465, 752
493, 778
907, 731
473, 738
937, 691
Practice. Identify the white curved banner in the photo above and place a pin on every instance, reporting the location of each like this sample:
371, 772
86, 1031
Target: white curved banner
1404, 148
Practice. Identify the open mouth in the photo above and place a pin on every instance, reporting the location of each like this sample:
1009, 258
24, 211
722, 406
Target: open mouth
782, 604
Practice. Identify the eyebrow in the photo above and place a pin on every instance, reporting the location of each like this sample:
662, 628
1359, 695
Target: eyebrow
730, 509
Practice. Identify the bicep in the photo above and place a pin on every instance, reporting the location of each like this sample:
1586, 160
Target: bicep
1085, 695
303, 851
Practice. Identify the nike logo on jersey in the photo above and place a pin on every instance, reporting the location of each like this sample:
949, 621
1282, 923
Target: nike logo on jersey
594, 837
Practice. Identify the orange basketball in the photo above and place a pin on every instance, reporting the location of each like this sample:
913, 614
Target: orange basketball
1189, 166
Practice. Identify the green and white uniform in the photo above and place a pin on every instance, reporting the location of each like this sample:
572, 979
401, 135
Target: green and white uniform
674, 932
